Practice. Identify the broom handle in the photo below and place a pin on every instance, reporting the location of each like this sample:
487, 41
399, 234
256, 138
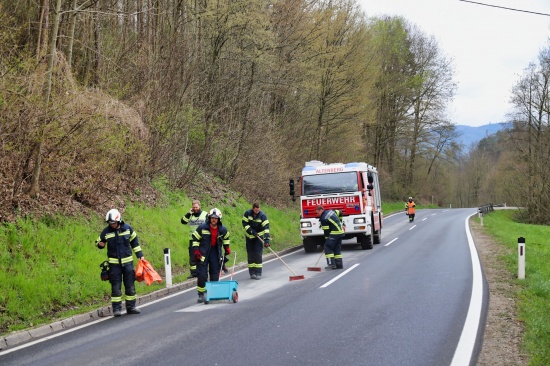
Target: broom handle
318, 259
281, 259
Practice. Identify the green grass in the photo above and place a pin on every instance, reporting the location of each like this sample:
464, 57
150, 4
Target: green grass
533, 299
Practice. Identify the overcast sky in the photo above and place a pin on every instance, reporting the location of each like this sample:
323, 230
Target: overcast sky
490, 47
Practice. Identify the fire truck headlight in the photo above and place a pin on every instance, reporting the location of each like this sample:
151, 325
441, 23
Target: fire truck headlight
305, 224
359, 220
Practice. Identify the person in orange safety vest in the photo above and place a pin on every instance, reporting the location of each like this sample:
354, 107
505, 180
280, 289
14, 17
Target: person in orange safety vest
410, 209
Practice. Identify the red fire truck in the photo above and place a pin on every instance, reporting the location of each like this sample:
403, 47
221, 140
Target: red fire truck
352, 188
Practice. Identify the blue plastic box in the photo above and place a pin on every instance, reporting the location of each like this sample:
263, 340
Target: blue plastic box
222, 290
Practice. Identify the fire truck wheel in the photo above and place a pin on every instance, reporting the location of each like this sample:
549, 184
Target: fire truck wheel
365, 241
310, 245
377, 235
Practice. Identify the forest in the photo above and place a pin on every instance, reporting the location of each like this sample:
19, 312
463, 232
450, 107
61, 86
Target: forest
100, 98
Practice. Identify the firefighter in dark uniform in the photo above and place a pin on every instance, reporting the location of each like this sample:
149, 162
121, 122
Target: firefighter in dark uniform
334, 232
256, 225
209, 240
122, 242
193, 218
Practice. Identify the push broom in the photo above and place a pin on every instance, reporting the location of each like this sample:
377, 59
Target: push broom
291, 278
316, 269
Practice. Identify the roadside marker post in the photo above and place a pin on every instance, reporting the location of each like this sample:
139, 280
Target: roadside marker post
167, 267
521, 258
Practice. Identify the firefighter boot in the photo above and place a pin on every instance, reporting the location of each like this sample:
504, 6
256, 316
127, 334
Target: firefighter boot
339, 263
132, 310
201, 297
117, 311
331, 264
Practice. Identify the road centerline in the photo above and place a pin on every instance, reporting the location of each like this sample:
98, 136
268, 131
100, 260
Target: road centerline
339, 276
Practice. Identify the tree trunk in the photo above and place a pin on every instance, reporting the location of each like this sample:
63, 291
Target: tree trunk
35, 182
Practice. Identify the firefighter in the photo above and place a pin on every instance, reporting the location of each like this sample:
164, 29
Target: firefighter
193, 218
121, 241
410, 209
209, 240
256, 226
332, 227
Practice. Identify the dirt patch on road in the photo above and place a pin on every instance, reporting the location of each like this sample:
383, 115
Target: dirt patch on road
503, 333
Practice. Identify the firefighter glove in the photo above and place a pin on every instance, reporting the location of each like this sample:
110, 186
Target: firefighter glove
266, 244
227, 250
253, 232
197, 255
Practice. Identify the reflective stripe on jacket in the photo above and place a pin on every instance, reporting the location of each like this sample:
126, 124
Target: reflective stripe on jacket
121, 243
202, 239
330, 224
259, 223
194, 221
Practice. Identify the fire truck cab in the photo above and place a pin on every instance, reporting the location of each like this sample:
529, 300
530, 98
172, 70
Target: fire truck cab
351, 188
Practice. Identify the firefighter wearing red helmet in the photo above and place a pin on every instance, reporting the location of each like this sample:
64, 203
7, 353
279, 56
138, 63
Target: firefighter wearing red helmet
121, 241
210, 246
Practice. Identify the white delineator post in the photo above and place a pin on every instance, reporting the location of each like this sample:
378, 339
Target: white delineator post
481, 218
521, 258
167, 267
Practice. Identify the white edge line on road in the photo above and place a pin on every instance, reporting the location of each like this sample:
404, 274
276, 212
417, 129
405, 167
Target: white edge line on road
390, 242
63, 332
465, 348
412, 227
424, 219
339, 276
53, 336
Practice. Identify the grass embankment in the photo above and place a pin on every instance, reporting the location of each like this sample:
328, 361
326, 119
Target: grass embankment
533, 299
50, 267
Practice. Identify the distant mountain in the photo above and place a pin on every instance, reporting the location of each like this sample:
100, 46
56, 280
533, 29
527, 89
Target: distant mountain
470, 135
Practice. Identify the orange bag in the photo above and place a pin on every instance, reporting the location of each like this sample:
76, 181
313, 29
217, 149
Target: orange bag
145, 272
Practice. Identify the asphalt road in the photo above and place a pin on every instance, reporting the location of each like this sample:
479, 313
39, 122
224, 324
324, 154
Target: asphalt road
415, 299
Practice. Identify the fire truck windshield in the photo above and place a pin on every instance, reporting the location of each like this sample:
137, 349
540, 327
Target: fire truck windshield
329, 183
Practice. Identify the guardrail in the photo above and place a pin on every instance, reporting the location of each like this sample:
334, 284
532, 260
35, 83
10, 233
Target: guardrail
485, 209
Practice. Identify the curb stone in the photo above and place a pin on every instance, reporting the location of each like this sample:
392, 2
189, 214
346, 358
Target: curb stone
20, 337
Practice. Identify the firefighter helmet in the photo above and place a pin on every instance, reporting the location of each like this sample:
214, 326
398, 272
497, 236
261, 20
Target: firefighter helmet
215, 213
113, 216
410, 198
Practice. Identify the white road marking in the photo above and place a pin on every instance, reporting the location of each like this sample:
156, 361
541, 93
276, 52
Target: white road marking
424, 219
391, 242
339, 276
412, 227
465, 348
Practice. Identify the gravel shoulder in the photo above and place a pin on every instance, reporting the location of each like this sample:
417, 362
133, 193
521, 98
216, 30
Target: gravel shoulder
503, 335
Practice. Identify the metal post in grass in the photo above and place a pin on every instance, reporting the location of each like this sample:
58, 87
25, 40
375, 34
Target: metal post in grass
481, 218
167, 267
521, 258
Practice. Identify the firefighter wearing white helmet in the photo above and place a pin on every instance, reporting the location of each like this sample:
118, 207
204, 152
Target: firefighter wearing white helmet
210, 246
121, 241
